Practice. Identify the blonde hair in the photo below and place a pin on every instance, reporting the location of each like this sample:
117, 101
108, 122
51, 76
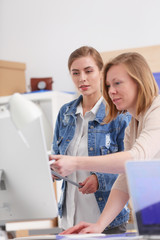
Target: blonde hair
138, 69
85, 51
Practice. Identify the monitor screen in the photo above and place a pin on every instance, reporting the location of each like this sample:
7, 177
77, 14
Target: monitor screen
26, 186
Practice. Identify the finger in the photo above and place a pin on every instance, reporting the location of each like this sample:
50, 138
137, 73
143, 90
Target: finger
78, 228
82, 227
87, 188
55, 166
72, 230
89, 228
57, 157
83, 190
85, 181
81, 184
85, 230
86, 185
54, 157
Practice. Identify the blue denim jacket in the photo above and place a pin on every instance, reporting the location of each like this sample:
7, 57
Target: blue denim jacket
102, 139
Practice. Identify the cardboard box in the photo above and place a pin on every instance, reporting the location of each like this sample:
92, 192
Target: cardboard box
12, 78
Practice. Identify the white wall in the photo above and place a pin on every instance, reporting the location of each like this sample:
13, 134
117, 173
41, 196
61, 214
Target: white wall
42, 33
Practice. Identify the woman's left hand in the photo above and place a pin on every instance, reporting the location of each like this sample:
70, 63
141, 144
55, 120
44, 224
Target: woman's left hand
89, 185
83, 228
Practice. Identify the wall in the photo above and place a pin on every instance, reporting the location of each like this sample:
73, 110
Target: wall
150, 53
42, 33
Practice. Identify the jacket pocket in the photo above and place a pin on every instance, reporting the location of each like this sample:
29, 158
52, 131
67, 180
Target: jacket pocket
112, 149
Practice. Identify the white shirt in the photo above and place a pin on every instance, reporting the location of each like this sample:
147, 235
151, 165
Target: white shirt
80, 207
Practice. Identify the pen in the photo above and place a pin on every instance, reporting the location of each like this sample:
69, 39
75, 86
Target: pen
65, 179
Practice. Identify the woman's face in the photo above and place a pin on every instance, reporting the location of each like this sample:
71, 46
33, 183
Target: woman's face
86, 76
122, 89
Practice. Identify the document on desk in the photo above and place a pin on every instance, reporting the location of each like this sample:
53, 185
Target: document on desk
88, 236
63, 237
40, 237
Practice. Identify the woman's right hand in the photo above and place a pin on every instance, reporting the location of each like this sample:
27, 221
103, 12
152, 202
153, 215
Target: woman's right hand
64, 165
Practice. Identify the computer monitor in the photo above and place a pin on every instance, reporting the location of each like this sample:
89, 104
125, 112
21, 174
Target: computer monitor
26, 186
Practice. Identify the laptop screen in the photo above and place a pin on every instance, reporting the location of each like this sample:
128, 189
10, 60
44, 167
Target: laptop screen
144, 186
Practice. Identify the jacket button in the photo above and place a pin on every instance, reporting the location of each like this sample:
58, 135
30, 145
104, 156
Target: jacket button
68, 140
100, 198
91, 148
91, 127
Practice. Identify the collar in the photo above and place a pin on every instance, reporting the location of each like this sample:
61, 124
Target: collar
93, 110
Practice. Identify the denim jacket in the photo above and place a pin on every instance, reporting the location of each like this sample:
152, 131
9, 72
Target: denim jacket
102, 139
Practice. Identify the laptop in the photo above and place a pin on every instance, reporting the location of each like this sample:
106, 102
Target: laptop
144, 187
